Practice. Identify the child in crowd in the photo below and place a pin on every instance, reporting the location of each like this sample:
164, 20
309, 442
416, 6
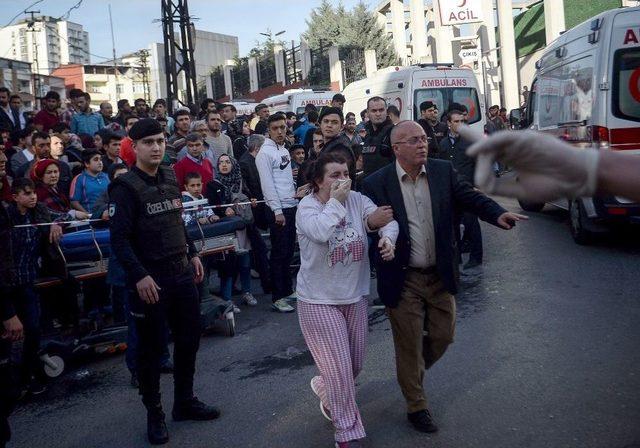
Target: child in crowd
87, 186
28, 245
297, 154
193, 192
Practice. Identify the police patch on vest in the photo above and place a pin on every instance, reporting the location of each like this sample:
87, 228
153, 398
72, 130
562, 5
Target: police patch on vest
112, 210
369, 149
156, 208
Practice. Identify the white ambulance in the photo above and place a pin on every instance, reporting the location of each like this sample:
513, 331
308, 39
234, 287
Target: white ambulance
587, 92
295, 100
407, 87
244, 107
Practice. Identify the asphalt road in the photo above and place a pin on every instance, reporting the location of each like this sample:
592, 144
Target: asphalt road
546, 355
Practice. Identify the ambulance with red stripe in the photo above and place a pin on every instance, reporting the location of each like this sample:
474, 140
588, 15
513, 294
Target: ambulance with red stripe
407, 87
586, 91
295, 100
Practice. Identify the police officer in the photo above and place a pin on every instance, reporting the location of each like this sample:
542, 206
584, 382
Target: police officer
376, 148
11, 330
162, 266
435, 129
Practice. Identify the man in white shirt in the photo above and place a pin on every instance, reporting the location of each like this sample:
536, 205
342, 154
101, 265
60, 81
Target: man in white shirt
276, 179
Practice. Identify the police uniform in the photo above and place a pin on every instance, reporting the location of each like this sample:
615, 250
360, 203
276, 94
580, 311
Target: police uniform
149, 238
376, 148
9, 387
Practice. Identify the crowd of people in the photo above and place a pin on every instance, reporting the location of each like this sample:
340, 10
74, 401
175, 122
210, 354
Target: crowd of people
357, 196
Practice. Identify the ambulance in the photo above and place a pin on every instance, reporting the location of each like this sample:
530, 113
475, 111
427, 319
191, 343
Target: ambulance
245, 108
586, 91
407, 87
295, 100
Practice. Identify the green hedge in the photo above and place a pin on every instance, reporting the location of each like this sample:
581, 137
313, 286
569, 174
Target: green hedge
529, 26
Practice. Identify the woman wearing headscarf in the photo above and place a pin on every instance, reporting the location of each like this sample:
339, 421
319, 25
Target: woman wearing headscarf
46, 175
226, 188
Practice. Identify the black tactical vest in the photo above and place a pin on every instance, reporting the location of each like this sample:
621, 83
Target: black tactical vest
376, 149
159, 230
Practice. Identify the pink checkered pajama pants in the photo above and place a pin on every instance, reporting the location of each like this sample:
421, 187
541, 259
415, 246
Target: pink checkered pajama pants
336, 336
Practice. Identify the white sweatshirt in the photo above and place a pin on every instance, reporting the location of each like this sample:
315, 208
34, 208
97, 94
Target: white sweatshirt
276, 179
334, 259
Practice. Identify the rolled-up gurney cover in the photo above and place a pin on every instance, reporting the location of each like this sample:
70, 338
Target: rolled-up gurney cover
79, 246
223, 227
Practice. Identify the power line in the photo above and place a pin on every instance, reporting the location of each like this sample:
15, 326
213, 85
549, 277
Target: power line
66, 15
22, 12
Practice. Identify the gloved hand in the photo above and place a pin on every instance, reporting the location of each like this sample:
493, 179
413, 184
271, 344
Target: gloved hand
545, 167
340, 190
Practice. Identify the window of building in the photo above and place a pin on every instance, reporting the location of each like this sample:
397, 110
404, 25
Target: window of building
119, 89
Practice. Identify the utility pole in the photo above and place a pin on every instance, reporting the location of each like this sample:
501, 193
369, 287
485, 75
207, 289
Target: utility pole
178, 55
36, 73
113, 47
143, 58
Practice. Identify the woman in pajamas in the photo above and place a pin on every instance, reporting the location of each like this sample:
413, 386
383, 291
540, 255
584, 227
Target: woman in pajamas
332, 225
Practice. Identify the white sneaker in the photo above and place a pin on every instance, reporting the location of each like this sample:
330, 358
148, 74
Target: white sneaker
325, 412
248, 298
282, 306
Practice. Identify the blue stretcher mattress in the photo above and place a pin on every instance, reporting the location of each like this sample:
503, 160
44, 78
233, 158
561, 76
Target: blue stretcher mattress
223, 227
79, 246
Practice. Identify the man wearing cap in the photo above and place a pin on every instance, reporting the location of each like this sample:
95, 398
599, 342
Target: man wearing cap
435, 129
162, 266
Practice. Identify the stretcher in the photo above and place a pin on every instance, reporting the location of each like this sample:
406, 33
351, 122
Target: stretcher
216, 238
85, 254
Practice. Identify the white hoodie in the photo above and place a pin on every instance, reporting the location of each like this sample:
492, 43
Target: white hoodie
276, 178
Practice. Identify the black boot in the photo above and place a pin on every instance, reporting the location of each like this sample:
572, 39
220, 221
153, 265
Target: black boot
156, 427
193, 409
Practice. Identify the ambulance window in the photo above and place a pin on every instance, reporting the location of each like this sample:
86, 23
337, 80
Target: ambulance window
445, 96
566, 93
469, 98
626, 84
300, 111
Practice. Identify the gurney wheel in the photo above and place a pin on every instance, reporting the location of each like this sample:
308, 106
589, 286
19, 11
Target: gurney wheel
230, 324
53, 365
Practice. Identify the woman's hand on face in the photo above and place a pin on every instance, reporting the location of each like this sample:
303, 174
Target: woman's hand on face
340, 190
387, 249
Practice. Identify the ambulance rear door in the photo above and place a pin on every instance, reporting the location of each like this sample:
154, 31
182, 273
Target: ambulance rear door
623, 118
444, 86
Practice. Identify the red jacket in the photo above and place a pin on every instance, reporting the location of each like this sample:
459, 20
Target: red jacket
186, 165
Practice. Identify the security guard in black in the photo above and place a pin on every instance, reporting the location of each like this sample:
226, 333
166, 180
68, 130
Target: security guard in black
149, 239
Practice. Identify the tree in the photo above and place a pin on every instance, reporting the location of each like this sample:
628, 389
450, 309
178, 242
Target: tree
357, 28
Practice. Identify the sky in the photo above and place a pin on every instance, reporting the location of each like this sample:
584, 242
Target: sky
134, 28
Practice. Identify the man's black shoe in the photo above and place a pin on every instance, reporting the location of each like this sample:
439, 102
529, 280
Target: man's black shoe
156, 427
422, 421
194, 409
472, 264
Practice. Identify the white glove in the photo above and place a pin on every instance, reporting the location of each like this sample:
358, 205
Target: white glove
545, 167
340, 190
